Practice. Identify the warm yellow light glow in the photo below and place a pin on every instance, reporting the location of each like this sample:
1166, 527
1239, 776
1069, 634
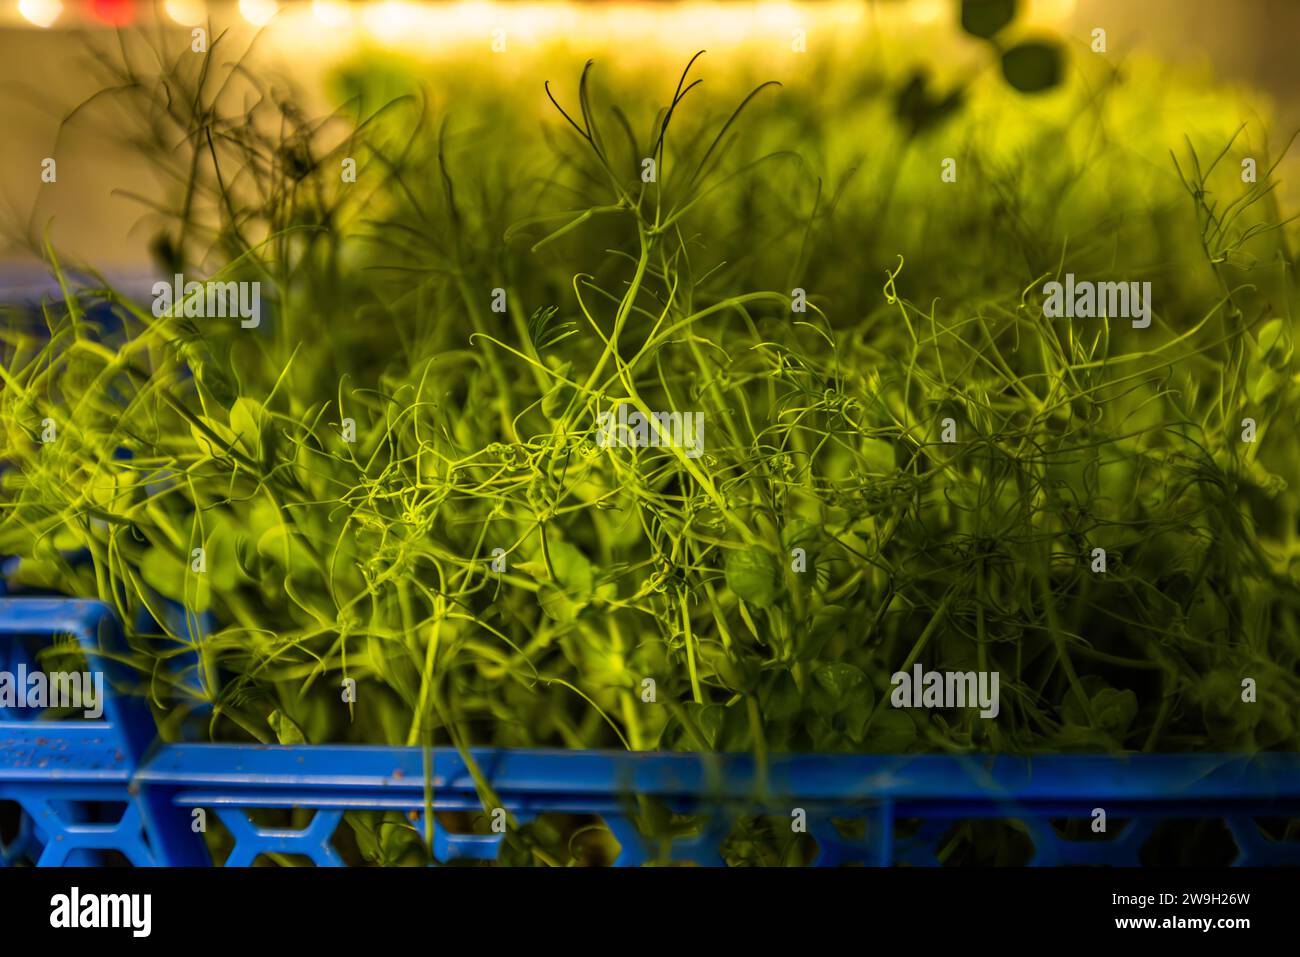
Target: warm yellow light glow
189, 13
389, 21
507, 26
258, 12
332, 13
40, 12
1052, 10
928, 11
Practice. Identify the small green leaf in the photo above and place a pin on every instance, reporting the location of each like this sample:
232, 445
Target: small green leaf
892, 732
575, 581
857, 714
828, 621
841, 693
801, 533
839, 679
397, 841
224, 437
1115, 709
1273, 345
222, 556
286, 731
1032, 67
557, 398
276, 543
364, 832
544, 331
709, 719
536, 569
984, 18
1262, 382
736, 733
754, 575
879, 455
250, 562
246, 418
69, 537
40, 573
166, 572
572, 568
781, 700
556, 604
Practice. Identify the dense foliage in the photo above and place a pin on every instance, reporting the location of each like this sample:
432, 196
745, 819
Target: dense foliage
799, 272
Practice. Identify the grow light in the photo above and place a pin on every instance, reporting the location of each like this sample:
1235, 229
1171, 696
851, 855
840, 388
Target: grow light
41, 13
332, 13
392, 19
189, 13
258, 12
112, 13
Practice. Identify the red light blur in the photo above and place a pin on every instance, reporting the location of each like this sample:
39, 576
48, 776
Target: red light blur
116, 13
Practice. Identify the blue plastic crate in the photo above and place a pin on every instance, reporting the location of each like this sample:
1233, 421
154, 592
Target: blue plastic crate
89, 791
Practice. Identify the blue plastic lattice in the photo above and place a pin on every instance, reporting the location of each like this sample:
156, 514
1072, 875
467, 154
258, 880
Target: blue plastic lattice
85, 789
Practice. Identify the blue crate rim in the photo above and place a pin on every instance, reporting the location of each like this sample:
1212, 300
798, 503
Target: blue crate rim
48, 766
